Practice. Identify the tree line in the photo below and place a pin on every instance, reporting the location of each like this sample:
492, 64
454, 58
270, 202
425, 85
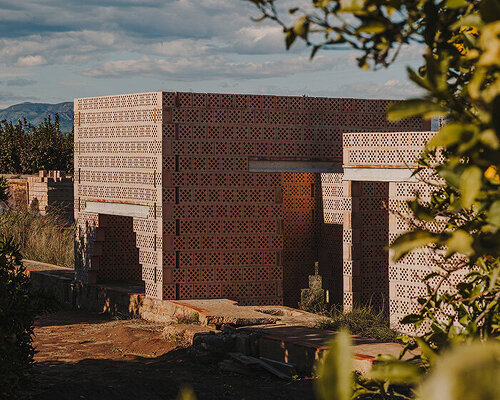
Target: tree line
26, 149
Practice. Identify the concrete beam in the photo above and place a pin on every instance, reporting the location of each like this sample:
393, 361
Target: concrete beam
293, 166
379, 174
124, 209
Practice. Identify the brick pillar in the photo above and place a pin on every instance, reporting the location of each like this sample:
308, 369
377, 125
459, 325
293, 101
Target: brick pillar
365, 238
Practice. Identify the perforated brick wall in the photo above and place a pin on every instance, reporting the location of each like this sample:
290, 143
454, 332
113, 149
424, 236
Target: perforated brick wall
214, 228
365, 238
118, 159
50, 189
334, 205
387, 152
300, 231
406, 275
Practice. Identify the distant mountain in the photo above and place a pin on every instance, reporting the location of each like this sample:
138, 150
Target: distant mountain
36, 112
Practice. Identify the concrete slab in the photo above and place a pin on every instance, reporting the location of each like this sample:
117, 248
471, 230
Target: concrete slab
304, 346
50, 269
283, 334
228, 312
225, 312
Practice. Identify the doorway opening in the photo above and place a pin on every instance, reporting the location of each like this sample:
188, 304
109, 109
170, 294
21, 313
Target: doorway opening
115, 250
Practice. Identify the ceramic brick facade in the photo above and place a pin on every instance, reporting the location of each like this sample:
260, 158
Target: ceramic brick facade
214, 228
51, 189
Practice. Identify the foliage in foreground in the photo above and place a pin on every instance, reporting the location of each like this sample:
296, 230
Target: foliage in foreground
460, 222
4, 190
44, 238
18, 308
462, 372
16, 320
26, 149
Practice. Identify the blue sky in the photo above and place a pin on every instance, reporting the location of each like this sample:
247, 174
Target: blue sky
55, 50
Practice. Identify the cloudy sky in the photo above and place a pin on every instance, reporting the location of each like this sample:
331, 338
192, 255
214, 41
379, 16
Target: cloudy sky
55, 50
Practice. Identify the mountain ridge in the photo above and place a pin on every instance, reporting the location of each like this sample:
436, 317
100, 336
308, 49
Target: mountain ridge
35, 113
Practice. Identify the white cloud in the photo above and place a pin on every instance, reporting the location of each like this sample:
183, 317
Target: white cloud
207, 42
259, 39
390, 89
179, 48
210, 67
31, 61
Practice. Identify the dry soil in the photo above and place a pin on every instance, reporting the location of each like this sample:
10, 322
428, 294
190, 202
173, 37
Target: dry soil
88, 356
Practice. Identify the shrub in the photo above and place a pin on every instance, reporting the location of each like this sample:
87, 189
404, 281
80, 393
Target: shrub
313, 301
4, 190
44, 238
362, 321
17, 313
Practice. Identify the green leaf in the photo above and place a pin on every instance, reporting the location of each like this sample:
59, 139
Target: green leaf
427, 351
186, 393
315, 50
420, 212
335, 370
470, 185
468, 20
394, 372
448, 135
489, 137
464, 372
411, 240
493, 217
461, 242
352, 6
451, 177
414, 107
411, 319
419, 80
301, 27
456, 3
290, 38
372, 27
495, 114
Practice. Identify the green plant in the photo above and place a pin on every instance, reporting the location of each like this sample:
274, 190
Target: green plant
26, 149
460, 77
362, 321
4, 189
469, 372
17, 313
188, 318
45, 238
313, 301
335, 370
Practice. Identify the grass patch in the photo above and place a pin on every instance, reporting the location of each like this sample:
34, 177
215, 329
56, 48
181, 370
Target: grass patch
363, 321
45, 238
188, 318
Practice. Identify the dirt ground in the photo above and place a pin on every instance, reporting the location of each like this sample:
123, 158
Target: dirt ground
87, 356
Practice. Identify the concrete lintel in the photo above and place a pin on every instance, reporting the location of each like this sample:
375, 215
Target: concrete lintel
124, 209
293, 166
378, 175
